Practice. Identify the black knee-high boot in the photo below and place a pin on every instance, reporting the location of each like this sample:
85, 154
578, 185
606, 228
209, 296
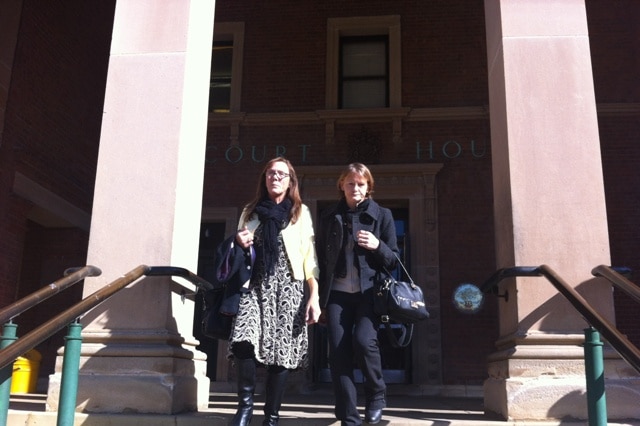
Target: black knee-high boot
276, 383
246, 372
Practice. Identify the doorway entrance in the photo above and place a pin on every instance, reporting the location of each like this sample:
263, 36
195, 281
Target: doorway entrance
211, 235
216, 225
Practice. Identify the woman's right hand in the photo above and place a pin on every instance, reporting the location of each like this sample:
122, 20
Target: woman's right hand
244, 238
323, 318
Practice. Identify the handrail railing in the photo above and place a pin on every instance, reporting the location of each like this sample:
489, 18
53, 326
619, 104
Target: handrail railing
179, 272
618, 341
593, 355
8, 313
55, 324
615, 276
70, 317
71, 277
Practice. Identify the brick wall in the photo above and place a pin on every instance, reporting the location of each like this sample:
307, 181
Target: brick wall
51, 135
620, 157
614, 42
12, 228
55, 103
47, 254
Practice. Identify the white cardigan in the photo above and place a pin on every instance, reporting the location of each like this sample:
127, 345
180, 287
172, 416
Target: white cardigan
299, 243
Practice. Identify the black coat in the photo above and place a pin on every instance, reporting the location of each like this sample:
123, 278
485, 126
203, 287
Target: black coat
233, 266
375, 219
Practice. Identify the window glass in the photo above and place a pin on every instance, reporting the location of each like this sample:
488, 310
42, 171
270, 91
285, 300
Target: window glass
221, 67
364, 73
364, 94
364, 58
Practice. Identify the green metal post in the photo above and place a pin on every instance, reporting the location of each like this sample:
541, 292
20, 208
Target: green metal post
594, 370
69, 378
9, 332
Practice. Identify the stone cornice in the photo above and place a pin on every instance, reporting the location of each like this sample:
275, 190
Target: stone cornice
618, 109
348, 116
395, 116
384, 114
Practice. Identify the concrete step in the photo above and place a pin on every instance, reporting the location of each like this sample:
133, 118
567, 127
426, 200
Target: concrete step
312, 409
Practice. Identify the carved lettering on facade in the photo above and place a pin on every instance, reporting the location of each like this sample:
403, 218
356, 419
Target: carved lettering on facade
424, 151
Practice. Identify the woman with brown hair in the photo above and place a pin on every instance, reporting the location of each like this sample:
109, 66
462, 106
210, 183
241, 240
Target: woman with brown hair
270, 328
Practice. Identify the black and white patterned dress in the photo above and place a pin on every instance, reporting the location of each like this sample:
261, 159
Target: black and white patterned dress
271, 315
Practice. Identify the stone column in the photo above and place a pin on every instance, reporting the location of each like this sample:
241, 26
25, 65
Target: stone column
549, 206
138, 351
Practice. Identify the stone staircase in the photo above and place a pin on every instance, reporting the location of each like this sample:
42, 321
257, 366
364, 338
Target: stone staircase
299, 409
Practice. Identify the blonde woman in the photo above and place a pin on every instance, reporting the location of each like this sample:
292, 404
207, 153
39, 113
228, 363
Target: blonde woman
356, 239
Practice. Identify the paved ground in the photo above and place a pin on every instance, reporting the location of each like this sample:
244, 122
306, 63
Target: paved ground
318, 409
311, 409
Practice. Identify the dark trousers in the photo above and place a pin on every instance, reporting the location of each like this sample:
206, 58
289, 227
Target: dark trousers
353, 335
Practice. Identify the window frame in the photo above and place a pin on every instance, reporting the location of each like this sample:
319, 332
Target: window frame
217, 78
232, 31
363, 26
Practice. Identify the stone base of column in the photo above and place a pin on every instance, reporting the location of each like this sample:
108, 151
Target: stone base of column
129, 379
542, 382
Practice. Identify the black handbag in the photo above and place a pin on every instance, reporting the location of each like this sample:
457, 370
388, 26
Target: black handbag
216, 324
401, 303
220, 304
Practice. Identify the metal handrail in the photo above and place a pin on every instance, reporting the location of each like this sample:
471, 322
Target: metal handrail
55, 324
616, 277
179, 272
49, 328
11, 348
617, 340
8, 313
593, 355
490, 285
72, 276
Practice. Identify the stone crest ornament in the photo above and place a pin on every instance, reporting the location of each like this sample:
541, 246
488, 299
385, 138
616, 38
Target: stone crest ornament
468, 299
364, 147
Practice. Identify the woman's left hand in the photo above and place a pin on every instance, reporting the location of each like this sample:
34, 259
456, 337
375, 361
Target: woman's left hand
367, 240
313, 312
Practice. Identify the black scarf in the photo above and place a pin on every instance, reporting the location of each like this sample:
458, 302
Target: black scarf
347, 234
273, 217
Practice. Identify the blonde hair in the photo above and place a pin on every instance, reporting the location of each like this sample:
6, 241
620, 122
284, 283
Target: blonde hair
359, 169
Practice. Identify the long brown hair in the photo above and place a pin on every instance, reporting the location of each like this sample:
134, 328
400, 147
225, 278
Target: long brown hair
293, 192
360, 169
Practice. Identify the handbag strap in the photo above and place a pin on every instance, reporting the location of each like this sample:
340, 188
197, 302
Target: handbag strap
405, 337
403, 268
401, 341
